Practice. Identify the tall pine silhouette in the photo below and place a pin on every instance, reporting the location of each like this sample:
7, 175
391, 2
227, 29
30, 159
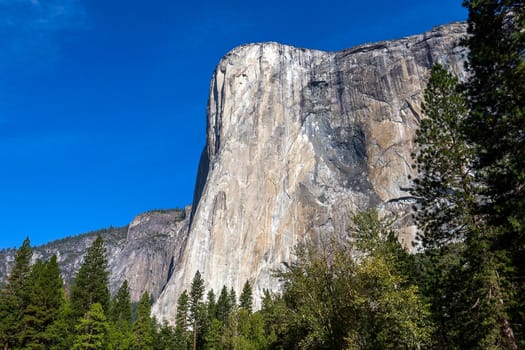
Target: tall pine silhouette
91, 283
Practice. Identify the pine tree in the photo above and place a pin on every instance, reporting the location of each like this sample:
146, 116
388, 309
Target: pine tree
91, 282
45, 299
445, 185
61, 332
13, 298
246, 298
121, 305
446, 192
213, 337
223, 305
165, 339
495, 127
232, 300
181, 322
121, 318
92, 330
196, 307
143, 331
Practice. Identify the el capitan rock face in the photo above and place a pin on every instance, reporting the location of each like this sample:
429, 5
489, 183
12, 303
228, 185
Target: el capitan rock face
296, 140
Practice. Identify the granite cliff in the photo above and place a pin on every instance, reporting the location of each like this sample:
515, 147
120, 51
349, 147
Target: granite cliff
144, 252
296, 140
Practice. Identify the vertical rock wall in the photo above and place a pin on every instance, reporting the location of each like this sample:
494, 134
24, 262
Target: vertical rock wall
296, 140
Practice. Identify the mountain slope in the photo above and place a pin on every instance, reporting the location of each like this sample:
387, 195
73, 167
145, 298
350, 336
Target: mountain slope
144, 252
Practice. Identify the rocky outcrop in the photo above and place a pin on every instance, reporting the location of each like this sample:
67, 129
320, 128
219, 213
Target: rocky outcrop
296, 140
144, 252
151, 252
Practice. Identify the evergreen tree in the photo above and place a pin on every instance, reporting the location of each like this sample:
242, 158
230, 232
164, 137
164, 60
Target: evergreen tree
196, 307
91, 282
232, 300
121, 318
45, 299
61, 332
213, 337
223, 305
181, 322
165, 338
211, 305
121, 305
445, 186
92, 330
495, 127
471, 174
143, 331
13, 298
446, 192
246, 298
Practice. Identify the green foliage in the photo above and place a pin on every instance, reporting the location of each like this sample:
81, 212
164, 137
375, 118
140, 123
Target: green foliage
121, 318
223, 305
165, 338
143, 330
91, 282
92, 330
352, 294
197, 310
61, 332
471, 175
211, 305
45, 299
14, 297
445, 185
182, 321
495, 127
246, 298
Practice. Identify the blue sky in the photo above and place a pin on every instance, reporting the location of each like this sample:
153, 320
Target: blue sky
102, 103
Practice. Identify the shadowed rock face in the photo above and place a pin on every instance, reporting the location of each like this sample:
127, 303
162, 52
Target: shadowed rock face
296, 140
143, 252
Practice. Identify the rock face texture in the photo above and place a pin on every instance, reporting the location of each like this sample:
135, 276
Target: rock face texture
144, 252
150, 252
296, 140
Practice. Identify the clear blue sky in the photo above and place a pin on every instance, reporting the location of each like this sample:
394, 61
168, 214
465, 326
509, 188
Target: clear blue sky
102, 102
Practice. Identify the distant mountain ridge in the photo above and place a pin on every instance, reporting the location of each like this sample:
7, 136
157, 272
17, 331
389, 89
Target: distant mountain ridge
141, 252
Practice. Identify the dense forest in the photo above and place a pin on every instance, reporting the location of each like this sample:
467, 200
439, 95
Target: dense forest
464, 288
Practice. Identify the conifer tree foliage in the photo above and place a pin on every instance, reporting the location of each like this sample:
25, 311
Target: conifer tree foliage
496, 92
496, 128
479, 210
182, 321
196, 309
246, 298
92, 330
121, 318
13, 297
143, 330
223, 305
91, 282
473, 302
45, 299
121, 305
445, 186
